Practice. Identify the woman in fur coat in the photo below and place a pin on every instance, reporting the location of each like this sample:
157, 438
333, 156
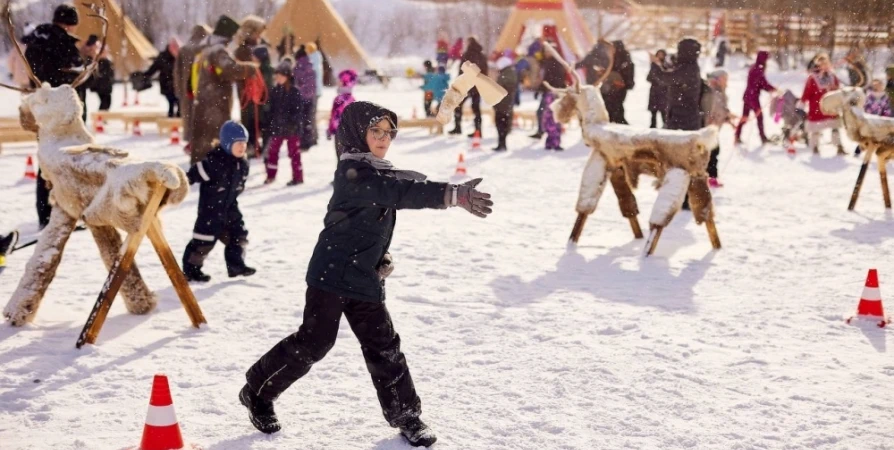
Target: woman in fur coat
347, 272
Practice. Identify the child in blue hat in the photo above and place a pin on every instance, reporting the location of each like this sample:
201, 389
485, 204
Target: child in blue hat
222, 177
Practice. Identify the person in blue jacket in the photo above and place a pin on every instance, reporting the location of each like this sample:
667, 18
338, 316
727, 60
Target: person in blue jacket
347, 272
222, 177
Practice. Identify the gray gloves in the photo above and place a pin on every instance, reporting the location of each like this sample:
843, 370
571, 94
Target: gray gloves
466, 196
386, 266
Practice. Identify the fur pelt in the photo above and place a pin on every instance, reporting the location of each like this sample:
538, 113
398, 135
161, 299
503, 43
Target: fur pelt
847, 103
97, 184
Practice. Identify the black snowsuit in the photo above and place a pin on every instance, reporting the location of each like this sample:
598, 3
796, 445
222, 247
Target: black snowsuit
222, 177
51, 52
508, 79
474, 53
103, 82
342, 276
684, 88
598, 57
164, 64
657, 94
554, 73
614, 90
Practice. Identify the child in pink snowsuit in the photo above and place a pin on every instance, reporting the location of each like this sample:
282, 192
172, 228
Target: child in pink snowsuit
347, 79
757, 82
285, 123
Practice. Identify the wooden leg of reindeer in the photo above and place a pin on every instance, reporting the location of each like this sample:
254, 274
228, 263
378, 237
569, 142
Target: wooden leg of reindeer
626, 200
883, 173
41, 269
138, 298
670, 198
702, 206
175, 273
591, 187
867, 156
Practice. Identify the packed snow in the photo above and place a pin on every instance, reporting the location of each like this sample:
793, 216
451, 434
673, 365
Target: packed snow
515, 340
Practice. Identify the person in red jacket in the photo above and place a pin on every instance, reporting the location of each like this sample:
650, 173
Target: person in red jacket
822, 79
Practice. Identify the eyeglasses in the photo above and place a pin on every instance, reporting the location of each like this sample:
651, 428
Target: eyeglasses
380, 133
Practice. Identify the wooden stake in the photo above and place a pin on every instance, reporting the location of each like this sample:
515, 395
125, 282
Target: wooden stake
181, 285
712, 233
652, 242
883, 173
637, 231
119, 271
578, 227
856, 193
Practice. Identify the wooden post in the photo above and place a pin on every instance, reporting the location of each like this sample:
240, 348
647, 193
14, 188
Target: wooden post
634, 225
712, 233
181, 285
578, 227
119, 271
867, 156
883, 172
652, 242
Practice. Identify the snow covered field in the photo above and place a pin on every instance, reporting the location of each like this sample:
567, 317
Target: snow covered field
514, 340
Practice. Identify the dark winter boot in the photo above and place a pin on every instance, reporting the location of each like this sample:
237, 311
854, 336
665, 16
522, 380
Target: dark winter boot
537, 135
194, 273
457, 130
260, 411
7, 243
243, 271
417, 433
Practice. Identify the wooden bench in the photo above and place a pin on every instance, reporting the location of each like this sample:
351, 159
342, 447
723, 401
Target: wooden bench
14, 135
166, 124
434, 127
130, 118
526, 119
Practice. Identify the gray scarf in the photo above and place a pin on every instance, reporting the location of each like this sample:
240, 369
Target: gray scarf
369, 158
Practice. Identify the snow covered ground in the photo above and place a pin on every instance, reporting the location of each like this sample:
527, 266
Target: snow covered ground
514, 340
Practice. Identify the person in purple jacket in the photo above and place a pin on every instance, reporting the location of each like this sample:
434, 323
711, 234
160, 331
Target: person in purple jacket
757, 82
306, 82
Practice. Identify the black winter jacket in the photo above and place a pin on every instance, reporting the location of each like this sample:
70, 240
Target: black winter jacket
474, 53
285, 111
359, 225
598, 57
658, 91
507, 79
554, 73
104, 79
684, 88
50, 52
164, 64
222, 177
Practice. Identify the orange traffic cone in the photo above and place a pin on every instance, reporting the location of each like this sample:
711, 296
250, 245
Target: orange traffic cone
175, 135
124, 103
98, 125
476, 140
461, 165
30, 174
161, 432
870, 306
136, 128
791, 147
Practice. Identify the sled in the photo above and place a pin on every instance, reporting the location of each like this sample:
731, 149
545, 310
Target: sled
151, 227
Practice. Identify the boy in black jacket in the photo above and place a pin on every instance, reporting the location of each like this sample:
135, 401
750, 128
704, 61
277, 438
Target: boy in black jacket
222, 175
347, 272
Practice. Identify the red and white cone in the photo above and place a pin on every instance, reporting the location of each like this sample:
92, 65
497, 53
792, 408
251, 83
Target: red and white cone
476, 140
461, 165
175, 135
30, 173
136, 128
161, 432
791, 147
870, 307
98, 125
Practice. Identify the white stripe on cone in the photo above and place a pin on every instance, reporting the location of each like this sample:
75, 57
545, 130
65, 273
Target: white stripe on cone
161, 416
872, 294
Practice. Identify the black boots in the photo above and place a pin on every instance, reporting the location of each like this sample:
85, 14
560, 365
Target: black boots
243, 271
260, 411
417, 433
7, 243
194, 273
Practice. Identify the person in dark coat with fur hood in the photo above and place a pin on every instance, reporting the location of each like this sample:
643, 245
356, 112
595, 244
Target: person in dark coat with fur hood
658, 91
183, 76
684, 87
347, 272
475, 54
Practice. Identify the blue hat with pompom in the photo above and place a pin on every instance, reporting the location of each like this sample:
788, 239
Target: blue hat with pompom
230, 133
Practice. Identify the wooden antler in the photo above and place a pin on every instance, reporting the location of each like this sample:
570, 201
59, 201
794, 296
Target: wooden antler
12, 37
611, 62
555, 54
85, 75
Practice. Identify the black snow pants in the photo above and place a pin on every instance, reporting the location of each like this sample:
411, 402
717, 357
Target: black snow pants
475, 96
504, 126
43, 200
293, 356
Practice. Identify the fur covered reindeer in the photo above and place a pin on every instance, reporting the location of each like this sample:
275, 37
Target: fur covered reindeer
875, 134
99, 185
620, 153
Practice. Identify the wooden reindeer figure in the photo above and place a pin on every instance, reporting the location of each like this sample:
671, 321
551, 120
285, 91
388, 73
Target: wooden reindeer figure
678, 159
90, 182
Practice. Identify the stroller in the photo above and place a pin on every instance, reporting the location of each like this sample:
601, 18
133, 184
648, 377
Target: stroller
793, 119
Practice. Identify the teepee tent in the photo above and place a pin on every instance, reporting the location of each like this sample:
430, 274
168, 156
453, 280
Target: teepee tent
317, 20
128, 47
562, 14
